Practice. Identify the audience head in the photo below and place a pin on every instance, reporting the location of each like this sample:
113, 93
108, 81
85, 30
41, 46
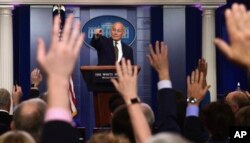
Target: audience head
44, 96
149, 114
117, 31
4, 99
16, 137
107, 138
121, 123
115, 101
242, 117
167, 138
217, 118
29, 116
237, 100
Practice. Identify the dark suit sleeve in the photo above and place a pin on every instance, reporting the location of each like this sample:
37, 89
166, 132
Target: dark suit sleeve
59, 132
167, 114
128, 53
5, 121
33, 93
97, 43
194, 130
94, 42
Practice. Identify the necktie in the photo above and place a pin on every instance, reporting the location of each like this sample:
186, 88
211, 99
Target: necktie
116, 51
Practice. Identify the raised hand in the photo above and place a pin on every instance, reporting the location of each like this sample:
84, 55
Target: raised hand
202, 68
61, 58
238, 26
126, 84
36, 77
98, 32
195, 86
158, 59
17, 93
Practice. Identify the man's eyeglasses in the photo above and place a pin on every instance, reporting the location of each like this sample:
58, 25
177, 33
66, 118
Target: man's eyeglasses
117, 30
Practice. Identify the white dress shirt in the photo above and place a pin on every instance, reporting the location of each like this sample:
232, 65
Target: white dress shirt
119, 46
164, 84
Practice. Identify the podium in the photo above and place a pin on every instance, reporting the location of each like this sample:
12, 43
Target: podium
98, 81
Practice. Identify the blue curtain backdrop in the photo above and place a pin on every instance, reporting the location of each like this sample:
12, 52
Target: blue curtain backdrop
193, 37
21, 44
156, 34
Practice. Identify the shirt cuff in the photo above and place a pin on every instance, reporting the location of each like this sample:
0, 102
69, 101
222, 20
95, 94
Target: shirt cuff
58, 114
192, 110
164, 84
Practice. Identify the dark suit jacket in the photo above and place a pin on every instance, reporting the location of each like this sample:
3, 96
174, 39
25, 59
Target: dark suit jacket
34, 93
5, 120
167, 113
106, 53
59, 132
194, 130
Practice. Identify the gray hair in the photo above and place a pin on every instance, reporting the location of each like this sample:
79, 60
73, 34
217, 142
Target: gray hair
148, 113
167, 138
4, 98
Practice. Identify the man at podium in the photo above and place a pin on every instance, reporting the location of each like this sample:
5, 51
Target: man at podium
110, 50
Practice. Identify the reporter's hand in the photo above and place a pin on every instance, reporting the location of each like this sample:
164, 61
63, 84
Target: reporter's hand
60, 60
126, 84
195, 86
158, 59
202, 68
17, 93
36, 77
238, 26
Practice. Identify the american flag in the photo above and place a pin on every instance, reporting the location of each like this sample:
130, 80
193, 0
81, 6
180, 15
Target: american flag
72, 98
